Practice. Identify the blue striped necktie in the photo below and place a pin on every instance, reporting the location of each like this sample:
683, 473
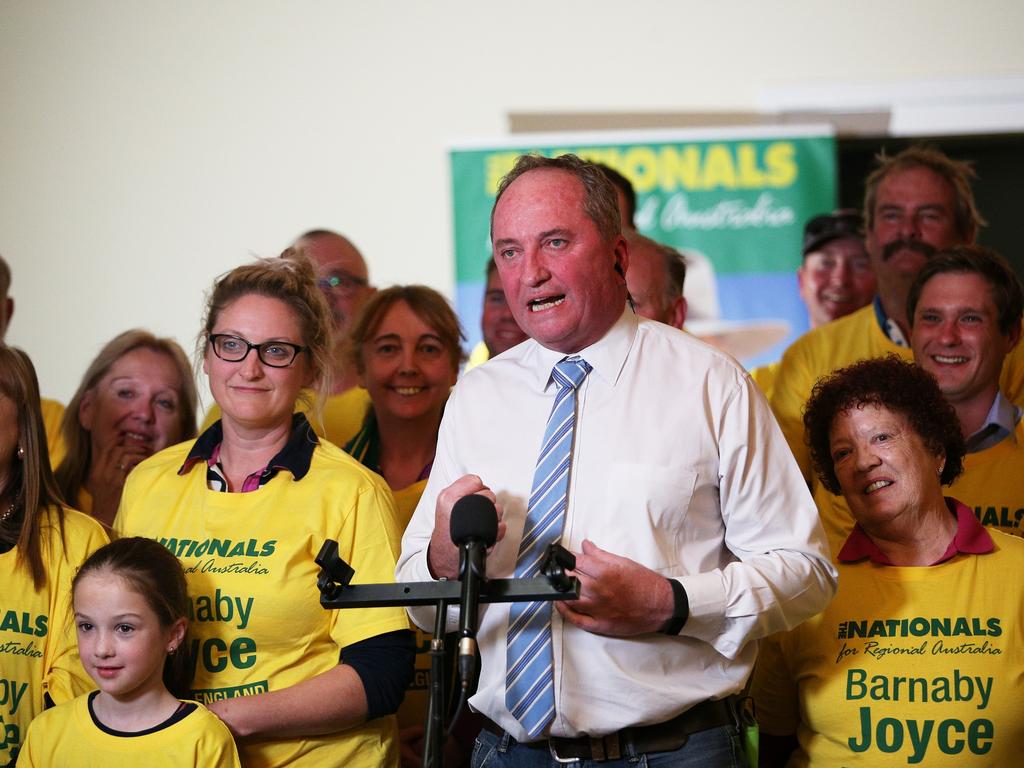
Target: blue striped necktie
529, 678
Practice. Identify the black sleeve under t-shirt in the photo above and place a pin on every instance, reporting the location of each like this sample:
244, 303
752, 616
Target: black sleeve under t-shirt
385, 665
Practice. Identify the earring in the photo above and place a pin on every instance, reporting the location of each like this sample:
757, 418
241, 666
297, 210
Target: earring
940, 470
21, 453
172, 650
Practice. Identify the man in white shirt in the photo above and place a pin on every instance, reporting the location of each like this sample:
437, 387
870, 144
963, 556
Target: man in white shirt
693, 530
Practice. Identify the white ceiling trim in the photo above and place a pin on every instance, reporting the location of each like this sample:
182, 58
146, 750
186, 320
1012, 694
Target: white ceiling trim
915, 108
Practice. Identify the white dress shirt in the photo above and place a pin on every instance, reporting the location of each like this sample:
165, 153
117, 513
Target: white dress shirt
679, 465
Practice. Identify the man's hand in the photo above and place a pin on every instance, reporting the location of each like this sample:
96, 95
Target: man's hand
442, 554
618, 596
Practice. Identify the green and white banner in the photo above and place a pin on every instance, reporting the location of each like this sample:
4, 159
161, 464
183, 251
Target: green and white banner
734, 200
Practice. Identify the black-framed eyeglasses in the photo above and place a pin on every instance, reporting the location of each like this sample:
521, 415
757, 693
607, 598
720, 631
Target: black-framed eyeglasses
234, 349
342, 282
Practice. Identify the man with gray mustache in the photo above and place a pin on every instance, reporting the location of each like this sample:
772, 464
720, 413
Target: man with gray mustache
915, 203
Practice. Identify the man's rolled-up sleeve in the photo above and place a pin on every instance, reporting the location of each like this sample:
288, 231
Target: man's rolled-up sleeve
783, 574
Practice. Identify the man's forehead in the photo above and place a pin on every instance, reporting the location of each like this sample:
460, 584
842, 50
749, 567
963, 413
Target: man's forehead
920, 184
332, 252
962, 289
547, 176
550, 189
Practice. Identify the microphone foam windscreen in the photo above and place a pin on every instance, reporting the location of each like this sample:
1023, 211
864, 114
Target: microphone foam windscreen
474, 518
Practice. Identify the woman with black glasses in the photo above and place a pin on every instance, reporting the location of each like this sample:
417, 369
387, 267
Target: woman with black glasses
247, 507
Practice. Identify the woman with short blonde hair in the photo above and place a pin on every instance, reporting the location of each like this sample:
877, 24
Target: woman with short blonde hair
247, 507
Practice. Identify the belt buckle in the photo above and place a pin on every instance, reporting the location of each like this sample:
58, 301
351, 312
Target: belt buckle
601, 749
558, 758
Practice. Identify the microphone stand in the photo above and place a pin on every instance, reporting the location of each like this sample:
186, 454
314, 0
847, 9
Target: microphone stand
337, 592
434, 732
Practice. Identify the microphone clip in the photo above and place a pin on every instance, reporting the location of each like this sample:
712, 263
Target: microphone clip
335, 573
557, 560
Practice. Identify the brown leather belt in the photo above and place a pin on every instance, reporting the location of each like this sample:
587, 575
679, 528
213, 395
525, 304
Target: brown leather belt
661, 737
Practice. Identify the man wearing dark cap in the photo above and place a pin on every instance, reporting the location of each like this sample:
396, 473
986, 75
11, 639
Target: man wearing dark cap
835, 277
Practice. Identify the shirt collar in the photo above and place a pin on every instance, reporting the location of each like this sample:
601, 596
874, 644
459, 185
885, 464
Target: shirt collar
1000, 422
970, 538
889, 327
295, 456
606, 356
365, 446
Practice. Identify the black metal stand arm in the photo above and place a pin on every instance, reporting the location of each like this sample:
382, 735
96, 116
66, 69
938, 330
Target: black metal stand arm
337, 592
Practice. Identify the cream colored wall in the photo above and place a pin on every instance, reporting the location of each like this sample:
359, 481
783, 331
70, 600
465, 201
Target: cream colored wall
147, 146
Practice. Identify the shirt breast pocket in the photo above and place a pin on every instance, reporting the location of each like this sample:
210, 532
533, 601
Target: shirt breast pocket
646, 511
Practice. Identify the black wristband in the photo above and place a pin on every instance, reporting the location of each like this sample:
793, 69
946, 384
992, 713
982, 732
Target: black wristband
680, 610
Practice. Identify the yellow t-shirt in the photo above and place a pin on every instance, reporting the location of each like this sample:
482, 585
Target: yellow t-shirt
920, 666
818, 352
417, 696
835, 345
84, 502
38, 649
993, 484
257, 624
343, 415
67, 736
53, 414
478, 356
989, 485
764, 377
406, 500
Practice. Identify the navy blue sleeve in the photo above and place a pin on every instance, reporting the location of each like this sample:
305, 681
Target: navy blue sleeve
385, 665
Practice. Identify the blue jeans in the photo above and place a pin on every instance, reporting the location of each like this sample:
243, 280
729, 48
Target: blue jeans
714, 748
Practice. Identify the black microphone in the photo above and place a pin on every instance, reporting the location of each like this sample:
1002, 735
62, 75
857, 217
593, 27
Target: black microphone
474, 528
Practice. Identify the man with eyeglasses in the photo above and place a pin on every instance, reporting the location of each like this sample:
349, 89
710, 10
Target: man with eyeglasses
344, 279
